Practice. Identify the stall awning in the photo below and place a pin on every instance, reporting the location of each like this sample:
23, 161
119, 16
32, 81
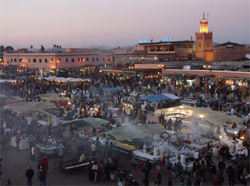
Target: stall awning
87, 122
129, 132
112, 89
129, 75
23, 107
176, 74
164, 74
159, 97
215, 117
233, 77
64, 80
209, 75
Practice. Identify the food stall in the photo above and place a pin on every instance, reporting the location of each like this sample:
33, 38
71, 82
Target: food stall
24, 141
201, 125
47, 149
216, 118
83, 127
39, 111
55, 98
129, 138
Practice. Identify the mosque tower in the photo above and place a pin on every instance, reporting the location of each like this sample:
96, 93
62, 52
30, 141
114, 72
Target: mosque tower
204, 42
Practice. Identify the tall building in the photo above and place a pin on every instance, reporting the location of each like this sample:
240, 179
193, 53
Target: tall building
204, 42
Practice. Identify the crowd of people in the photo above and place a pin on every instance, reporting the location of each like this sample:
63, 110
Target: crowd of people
90, 99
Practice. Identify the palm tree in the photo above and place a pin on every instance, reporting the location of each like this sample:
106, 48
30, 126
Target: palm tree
31, 47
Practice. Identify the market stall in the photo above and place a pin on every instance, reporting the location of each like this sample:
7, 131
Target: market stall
84, 127
159, 97
64, 80
24, 107
215, 117
23, 142
47, 149
112, 90
132, 137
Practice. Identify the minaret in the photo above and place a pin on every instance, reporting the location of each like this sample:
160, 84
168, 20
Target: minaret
204, 25
204, 42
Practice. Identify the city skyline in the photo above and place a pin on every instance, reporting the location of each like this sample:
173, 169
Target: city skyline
118, 23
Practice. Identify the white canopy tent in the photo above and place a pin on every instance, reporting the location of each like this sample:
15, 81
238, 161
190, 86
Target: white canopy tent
65, 80
23, 107
217, 118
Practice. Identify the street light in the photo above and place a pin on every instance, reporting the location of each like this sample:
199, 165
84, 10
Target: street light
207, 67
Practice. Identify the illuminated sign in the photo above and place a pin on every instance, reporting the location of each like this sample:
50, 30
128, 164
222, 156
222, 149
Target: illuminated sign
166, 39
143, 41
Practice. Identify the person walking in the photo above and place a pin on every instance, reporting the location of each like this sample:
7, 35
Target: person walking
42, 176
101, 170
45, 162
221, 166
94, 168
29, 175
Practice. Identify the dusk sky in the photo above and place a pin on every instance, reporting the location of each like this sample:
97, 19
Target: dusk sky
79, 23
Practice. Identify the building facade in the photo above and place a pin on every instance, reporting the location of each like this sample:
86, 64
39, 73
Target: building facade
229, 50
154, 52
70, 58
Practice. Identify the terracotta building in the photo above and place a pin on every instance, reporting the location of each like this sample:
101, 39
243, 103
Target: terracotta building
153, 52
70, 58
229, 50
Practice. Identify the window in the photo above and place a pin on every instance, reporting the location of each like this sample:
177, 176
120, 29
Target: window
207, 44
29, 60
40, 60
14, 59
34, 60
199, 44
67, 60
46, 60
72, 60
87, 59
97, 59
79, 60
11, 60
20, 60
93, 59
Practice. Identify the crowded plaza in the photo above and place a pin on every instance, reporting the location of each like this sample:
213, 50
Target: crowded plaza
105, 128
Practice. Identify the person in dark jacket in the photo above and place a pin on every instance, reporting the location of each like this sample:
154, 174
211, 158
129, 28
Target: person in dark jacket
29, 175
145, 181
231, 174
42, 176
221, 166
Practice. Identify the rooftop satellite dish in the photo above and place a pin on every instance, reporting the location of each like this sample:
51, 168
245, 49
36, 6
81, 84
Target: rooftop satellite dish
187, 67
